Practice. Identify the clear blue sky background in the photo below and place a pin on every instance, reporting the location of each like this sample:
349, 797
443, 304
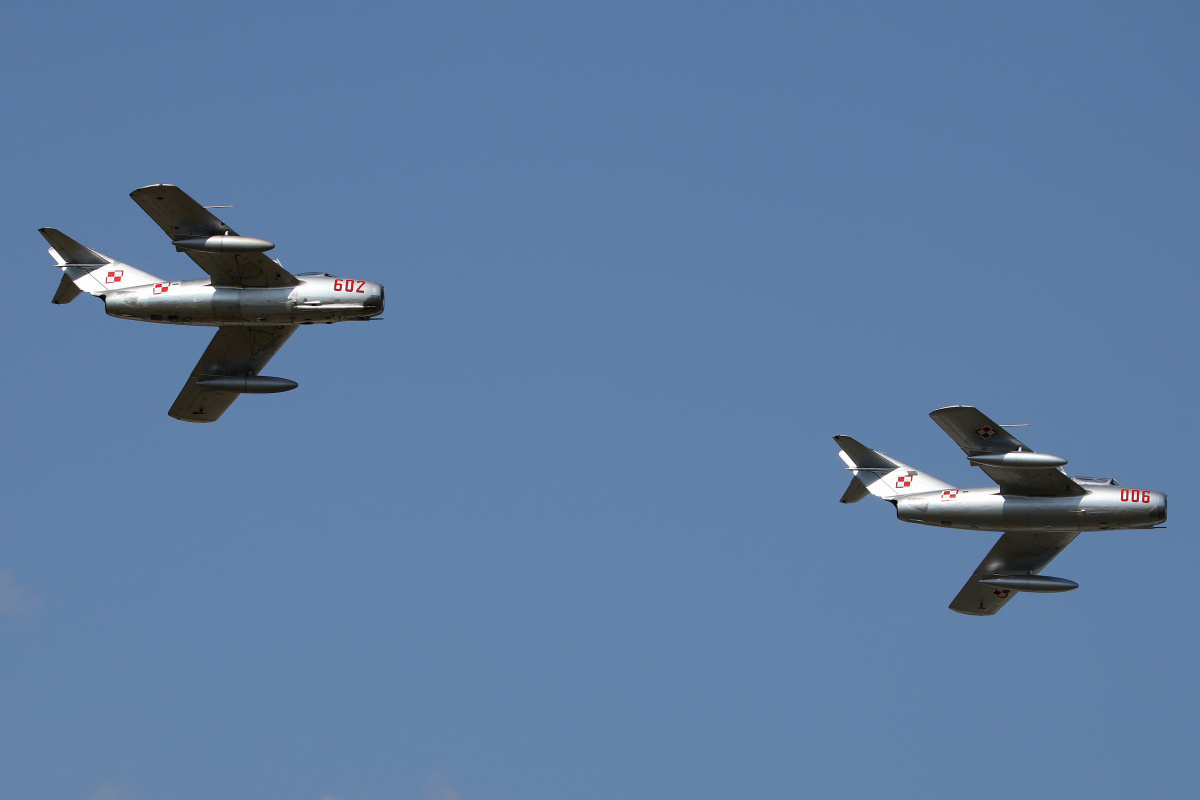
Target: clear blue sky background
565, 523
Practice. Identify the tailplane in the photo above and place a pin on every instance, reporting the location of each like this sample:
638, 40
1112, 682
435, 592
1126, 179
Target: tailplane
880, 475
85, 270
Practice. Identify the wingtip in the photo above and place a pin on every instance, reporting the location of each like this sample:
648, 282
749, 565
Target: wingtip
947, 408
971, 612
140, 189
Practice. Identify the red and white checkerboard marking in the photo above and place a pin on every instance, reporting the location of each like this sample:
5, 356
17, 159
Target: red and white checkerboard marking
949, 494
986, 432
114, 276
1001, 592
161, 288
904, 481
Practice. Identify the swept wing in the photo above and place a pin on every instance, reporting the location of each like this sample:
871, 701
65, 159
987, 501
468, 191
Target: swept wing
235, 351
1013, 554
977, 435
181, 218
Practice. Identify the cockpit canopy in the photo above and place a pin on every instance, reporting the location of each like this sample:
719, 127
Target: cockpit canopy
315, 275
1096, 481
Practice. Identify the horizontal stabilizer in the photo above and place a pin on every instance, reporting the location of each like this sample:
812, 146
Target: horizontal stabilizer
67, 291
72, 252
862, 456
856, 491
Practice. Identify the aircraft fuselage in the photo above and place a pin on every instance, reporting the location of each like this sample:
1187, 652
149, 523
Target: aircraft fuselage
316, 299
1102, 508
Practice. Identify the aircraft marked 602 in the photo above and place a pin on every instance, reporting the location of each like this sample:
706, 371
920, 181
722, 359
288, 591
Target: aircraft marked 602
254, 303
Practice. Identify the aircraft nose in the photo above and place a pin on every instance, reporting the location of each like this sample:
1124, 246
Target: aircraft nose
1159, 512
374, 303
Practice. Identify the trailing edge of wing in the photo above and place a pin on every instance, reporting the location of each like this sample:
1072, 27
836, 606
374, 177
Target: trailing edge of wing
1013, 554
233, 351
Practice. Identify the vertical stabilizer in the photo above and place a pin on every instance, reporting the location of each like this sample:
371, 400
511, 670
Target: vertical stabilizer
881, 475
85, 270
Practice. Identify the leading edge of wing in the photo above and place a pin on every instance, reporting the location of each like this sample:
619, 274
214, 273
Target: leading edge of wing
1013, 554
181, 217
976, 434
974, 431
233, 351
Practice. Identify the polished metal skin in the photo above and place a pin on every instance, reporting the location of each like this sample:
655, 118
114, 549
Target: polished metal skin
1038, 507
197, 302
253, 301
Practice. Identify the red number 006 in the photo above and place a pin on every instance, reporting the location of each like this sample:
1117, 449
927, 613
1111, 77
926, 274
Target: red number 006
347, 285
1135, 496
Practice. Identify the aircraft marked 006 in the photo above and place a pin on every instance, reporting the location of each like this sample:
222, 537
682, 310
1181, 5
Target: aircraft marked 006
1037, 506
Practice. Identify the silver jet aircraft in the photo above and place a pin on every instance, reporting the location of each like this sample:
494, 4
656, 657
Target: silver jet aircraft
1037, 506
252, 301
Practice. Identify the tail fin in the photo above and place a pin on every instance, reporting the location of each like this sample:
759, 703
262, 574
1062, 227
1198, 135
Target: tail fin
881, 475
85, 270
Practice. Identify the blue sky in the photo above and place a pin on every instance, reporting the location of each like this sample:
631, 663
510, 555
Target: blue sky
565, 522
